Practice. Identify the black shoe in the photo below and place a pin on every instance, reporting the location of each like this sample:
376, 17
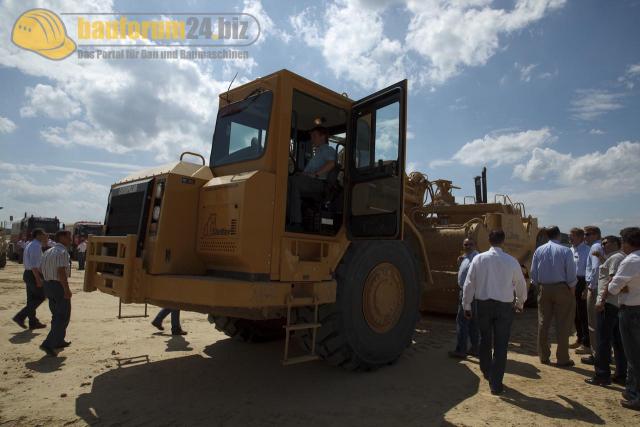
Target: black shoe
546, 362
631, 404
588, 360
568, 364
457, 355
19, 322
179, 332
473, 352
158, 325
598, 381
37, 325
64, 344
48, 350
628, 396
497, 391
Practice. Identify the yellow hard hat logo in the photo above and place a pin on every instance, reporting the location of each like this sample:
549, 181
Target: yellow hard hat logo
42, 31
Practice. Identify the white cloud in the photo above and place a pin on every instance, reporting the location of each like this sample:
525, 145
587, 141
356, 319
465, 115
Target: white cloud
353, 43
71, 197
589, 104
596, 132
113, 165
443, 37
609, 174
501, 148
50, 102
451, 35
526, 71
160, 107
34, 168
7, 125
267, 26
629, 77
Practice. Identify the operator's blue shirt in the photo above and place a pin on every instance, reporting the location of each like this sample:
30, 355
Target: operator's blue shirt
464, 267
553, 263
321, 155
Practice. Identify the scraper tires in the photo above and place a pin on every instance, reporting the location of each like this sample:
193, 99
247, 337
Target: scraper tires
249, 330
376, 309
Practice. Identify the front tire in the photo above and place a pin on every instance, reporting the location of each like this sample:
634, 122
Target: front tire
376, 309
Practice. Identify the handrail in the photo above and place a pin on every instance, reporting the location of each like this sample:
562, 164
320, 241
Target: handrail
193, 154
464, 201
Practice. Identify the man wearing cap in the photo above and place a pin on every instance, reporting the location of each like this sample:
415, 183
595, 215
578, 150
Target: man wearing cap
312, 179
33, 279
553, 271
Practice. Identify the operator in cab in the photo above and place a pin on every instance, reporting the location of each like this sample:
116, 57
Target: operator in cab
312, 179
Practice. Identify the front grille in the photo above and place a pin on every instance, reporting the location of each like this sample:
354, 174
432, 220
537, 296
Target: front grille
128, 208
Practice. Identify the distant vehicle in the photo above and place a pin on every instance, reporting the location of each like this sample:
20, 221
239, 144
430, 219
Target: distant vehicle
81, 230
21, 233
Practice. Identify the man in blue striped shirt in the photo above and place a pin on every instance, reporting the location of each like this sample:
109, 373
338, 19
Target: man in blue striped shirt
33, 280
553, 270
56, 270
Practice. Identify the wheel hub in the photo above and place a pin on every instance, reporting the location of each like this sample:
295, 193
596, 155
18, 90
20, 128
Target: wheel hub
383, 297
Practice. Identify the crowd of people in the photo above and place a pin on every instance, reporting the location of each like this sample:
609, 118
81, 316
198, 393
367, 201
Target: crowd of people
594, 286
47, 267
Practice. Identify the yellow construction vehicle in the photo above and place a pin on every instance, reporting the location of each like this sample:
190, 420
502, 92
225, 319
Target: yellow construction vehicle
348, 280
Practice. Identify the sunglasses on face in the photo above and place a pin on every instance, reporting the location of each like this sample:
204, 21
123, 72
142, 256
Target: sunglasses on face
467, 245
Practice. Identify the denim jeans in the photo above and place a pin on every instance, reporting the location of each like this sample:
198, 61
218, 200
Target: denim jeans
466, 329
81, 259
60, 313
609, 335
175, 318
494, 322
630, 332
35, 297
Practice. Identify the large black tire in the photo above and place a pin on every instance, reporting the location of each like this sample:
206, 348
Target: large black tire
346, 338
249, 330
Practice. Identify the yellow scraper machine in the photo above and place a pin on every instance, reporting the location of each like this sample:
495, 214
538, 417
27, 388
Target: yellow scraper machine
375, 246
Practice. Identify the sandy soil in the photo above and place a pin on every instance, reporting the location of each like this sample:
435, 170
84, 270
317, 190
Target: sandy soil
124, 372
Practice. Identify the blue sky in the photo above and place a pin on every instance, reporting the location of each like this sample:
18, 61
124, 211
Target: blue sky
542, 92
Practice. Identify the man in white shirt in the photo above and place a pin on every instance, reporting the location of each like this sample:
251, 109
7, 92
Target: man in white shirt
626, 284
491, 281
82, 252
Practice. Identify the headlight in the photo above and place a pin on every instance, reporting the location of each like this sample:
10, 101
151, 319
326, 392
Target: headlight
156, 213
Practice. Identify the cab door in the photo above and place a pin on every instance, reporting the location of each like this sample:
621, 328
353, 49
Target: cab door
375, 168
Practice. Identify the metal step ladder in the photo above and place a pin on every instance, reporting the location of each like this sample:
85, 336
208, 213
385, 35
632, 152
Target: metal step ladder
290, 329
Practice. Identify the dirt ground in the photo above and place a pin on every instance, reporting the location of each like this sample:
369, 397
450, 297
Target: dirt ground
124, 372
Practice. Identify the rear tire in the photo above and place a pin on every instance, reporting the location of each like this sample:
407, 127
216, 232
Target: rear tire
376, 309
249, 330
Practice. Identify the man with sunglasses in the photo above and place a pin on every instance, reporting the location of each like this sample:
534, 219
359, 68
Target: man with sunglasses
592, 236
466, 329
